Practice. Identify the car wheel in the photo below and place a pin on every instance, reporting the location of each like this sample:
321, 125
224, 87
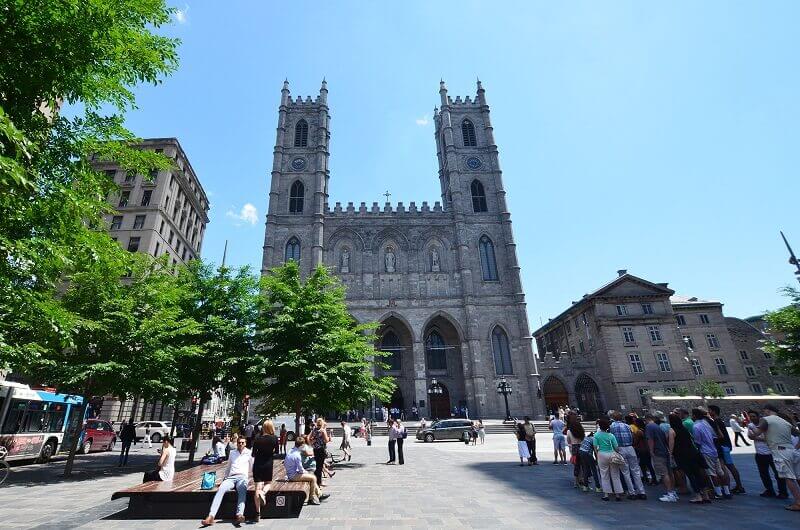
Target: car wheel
111, 444
290, 436
87, 446
156, 438
429, 437
47, 452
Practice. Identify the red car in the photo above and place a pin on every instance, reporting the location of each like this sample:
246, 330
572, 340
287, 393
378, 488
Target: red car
97, 435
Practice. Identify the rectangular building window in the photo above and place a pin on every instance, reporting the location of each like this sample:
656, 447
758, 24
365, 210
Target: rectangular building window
780, 387
153, 176
730, 391
581, 346
161, 229
159, 150
688, 341
171, 237
750, 371
622, 310
704, 319
681, 320
697, 368
722, 368
111, 173
158, 247
572, 349
655, 333
133, 244
627, 335
116, 222
124, 198
671, 390
756, 388
138, 222
647, 309
767, 355
146, 196
636, 363
743, 355
569, 328
663, 361
130, 176
183, 255
713, 343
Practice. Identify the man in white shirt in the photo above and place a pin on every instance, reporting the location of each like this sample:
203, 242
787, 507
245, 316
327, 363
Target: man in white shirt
240, 463
737, 431
764, 460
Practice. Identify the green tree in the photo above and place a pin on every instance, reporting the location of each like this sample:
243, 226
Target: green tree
224, 303
314, 356
709, 388
784, 332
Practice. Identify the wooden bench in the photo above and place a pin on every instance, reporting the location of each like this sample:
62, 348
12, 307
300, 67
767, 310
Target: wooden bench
182, 498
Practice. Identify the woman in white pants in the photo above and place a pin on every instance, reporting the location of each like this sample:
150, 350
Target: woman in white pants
605, 447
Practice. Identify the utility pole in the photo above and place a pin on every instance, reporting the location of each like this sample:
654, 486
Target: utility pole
792, 257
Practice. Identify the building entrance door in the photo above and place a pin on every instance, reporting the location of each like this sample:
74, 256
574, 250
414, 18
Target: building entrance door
555, 394
440, 404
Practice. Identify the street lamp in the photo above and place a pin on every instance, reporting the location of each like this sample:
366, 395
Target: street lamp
504, 389
434, 390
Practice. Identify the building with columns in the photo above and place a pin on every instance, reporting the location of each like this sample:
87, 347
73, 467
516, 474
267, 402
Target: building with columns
442, 280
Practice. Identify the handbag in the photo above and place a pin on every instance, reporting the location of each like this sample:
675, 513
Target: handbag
405, 433
209, 480
617, 459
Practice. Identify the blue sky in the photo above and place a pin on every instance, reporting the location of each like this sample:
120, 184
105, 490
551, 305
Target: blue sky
659, 138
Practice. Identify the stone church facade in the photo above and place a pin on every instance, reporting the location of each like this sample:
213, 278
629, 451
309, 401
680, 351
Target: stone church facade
442, 280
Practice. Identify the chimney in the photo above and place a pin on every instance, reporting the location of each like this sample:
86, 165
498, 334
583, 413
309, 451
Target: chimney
622, 272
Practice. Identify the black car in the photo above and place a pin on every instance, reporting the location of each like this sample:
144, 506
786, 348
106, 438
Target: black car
446, 430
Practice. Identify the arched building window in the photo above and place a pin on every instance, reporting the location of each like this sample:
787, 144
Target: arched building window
296, 195
501, 352
391, 344
478, 197
436, 351
468, 132
293, 249
301, 134
488, 262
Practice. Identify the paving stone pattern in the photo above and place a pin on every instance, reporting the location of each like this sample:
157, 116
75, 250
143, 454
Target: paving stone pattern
442, 485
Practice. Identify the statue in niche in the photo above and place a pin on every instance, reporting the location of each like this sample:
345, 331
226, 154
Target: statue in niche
435, 267
390, 259
344, 266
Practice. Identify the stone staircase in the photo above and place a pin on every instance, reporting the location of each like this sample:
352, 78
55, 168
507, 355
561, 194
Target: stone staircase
491, 427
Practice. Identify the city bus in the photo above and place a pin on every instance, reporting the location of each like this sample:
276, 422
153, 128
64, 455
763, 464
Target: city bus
36, 423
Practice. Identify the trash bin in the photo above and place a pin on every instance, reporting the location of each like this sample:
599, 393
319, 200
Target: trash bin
186, 444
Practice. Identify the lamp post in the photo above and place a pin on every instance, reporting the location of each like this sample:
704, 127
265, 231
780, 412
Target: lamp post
504, 389
433, 390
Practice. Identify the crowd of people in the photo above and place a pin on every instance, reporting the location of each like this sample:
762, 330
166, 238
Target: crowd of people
687, 452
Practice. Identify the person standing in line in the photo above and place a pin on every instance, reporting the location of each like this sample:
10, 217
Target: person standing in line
688, 459
605, 444
559, 440
764, 461
724, 447
704, 439
264, 448
737, 431
481, 431
658, 444
127, 436
588, 464
643, 452
530, 440
401, 436
237, 476
778, 432
575, 436
523, 444
630, 470
319, 441
345, 447
147, 435
165, 468
392, 432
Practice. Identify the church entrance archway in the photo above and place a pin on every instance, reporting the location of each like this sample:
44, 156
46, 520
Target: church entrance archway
440, 403
555, 394
587, 394
396, 405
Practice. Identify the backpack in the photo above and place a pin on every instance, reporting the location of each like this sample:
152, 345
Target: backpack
209, 480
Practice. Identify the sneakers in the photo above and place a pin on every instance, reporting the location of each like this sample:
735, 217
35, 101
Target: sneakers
642, 497
632, 497
598, 490
668, 498
584, 489
324, 496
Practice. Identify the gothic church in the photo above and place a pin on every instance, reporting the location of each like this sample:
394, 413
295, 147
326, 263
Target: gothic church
443, 280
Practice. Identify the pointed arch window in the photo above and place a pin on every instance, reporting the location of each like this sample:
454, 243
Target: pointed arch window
390, 343
468, 133
436, 351
301, 134
478, 197
293, 249
488, 262
501, 352
296, 195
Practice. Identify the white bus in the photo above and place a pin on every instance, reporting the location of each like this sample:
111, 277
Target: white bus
34, 423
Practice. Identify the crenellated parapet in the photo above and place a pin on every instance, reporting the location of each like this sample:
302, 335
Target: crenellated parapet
388, 209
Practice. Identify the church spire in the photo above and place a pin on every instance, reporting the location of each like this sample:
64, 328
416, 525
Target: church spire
443, 92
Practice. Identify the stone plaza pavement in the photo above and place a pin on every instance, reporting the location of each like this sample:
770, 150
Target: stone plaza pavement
442, 485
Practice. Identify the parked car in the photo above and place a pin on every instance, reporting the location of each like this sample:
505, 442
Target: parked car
446, 430
97, 435
158, 430
287, 419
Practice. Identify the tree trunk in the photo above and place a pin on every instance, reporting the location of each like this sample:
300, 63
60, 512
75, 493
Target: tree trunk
134, 409
174, 420
76, 433
196, 430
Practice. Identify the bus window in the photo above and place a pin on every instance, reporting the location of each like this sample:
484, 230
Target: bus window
34, 417
16, 410
55, 417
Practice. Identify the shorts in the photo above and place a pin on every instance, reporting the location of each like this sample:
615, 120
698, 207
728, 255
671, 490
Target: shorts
714, 467
661, 465
787, 463
560, 441
726, 455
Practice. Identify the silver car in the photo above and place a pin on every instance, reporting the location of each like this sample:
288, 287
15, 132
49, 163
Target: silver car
446, 430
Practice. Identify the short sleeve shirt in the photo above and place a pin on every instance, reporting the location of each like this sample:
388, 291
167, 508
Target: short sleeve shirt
653, 432
605, 442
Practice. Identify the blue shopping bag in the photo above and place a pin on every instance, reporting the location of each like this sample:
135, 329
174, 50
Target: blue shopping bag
209, 480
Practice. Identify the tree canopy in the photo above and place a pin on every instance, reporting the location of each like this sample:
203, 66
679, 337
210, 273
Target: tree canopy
784, 330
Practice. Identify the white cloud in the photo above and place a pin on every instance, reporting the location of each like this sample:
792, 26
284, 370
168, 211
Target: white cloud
422, 121
248, 214
181, 15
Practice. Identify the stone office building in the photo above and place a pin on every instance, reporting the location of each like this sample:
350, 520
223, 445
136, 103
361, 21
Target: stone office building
633, 338
442, 280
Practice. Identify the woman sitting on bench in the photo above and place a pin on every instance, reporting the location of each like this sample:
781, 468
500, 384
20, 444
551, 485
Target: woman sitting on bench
166, 464
237, 476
